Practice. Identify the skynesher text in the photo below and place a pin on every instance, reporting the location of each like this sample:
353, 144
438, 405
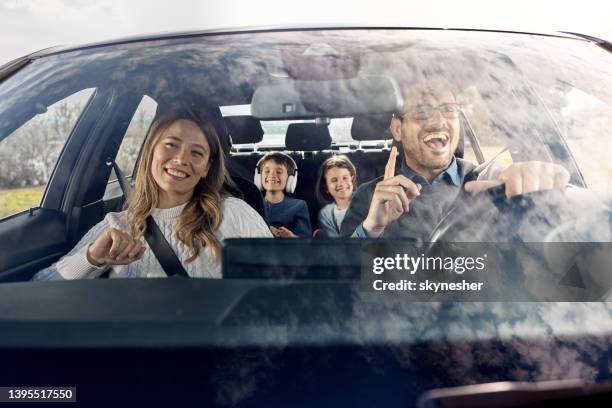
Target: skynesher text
427, 286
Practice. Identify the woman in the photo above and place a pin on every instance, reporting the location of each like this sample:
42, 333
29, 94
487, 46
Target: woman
179, 182
336, 182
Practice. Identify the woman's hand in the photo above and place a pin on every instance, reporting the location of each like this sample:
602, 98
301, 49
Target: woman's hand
115, 247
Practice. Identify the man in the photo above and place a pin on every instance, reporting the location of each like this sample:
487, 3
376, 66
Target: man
410, 203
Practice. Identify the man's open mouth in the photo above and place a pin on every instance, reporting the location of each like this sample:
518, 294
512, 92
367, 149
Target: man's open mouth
436, 140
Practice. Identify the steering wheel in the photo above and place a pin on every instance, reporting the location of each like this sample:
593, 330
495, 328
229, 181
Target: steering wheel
569, 215
568, 233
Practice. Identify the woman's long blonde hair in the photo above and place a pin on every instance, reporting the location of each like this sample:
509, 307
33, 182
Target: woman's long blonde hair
202, 214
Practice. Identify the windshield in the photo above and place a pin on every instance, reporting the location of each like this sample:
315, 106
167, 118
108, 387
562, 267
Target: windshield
431, 110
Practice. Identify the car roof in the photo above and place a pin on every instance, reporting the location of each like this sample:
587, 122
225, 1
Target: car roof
17, 63
262, 29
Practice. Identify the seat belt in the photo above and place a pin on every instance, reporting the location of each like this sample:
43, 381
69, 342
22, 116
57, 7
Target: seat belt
155, 238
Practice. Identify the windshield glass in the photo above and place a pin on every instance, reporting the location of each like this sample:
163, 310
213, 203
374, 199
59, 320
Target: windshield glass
423, 112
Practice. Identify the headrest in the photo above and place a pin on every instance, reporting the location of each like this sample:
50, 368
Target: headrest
307, 137
371, 127
244, 129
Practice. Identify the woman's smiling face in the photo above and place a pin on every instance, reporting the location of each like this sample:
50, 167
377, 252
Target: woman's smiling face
180, 160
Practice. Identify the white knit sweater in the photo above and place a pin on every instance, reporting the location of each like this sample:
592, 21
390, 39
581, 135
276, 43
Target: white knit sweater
239, 220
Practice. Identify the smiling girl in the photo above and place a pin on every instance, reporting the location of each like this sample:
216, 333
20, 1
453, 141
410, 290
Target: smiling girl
179, 183
336, 182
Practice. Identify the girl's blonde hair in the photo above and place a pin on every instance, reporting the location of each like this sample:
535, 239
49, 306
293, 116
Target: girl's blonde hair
202, 214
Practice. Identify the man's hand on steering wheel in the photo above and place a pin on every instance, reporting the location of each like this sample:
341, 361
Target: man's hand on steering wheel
525, 177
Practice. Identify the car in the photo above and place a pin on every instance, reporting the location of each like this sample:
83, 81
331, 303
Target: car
302, 322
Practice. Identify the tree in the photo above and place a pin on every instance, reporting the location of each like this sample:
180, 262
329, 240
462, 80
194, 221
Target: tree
29, 154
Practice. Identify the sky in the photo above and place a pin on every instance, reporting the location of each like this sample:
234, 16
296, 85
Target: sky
30, 25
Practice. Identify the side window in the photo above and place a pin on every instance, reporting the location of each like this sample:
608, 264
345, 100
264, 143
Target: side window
29, 154
135, 136
491, 143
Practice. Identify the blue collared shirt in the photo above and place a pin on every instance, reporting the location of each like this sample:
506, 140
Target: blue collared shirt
448, 176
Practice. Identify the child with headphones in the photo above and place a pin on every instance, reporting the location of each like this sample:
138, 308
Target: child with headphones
276, 173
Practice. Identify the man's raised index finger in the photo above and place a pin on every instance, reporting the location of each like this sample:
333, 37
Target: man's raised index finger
390, 167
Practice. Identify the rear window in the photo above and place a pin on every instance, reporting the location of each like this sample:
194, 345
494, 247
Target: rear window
275, 130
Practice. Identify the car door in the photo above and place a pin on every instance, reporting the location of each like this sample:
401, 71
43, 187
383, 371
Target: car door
56, 138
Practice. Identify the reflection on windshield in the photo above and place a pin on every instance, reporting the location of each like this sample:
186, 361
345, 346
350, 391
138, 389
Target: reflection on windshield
452, 191
473, 106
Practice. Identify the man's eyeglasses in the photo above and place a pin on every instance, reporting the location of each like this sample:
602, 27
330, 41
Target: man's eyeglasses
424, 112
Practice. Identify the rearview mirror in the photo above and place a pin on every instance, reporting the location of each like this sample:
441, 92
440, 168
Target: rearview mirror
333, 98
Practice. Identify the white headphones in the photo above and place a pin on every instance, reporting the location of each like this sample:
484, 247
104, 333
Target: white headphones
291, 181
